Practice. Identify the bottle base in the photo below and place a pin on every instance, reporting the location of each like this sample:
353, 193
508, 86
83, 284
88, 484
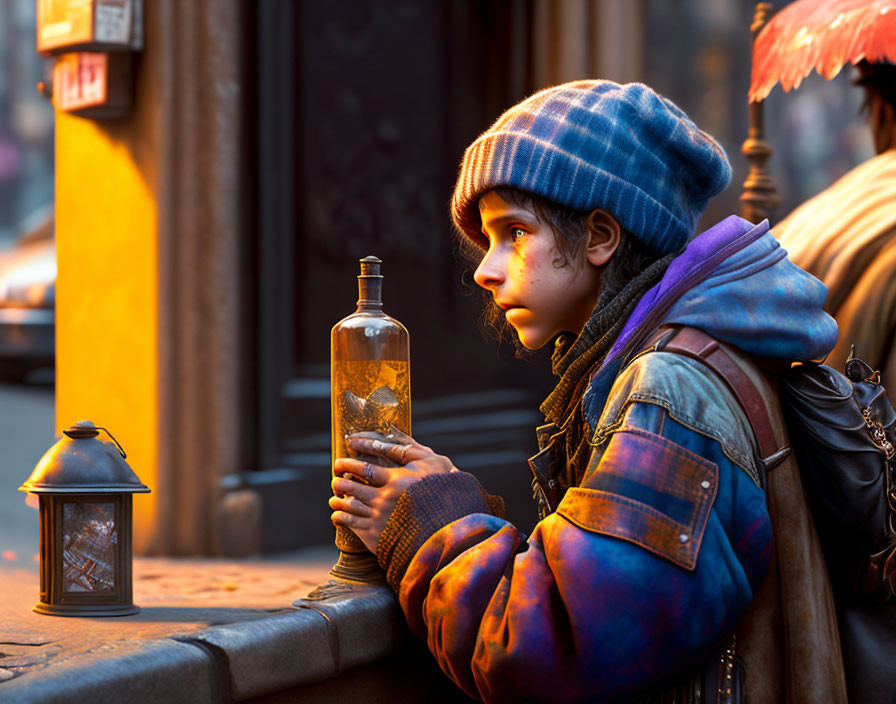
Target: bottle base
359, 567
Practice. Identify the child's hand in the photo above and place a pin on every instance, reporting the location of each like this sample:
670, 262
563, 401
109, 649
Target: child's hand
366, 493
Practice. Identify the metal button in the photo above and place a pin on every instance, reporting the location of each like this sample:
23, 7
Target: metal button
683, 537
705, 484
552, 484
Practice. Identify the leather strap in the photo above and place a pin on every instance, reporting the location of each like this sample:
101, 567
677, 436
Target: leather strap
696, 344
791, 645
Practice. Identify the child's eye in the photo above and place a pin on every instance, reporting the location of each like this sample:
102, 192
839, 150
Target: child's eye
517, 233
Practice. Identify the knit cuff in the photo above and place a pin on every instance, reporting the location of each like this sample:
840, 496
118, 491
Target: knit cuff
496, 505
424, 508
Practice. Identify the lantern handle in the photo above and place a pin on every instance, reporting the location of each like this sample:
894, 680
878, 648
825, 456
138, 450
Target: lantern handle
89, 431
120, 448
117, 444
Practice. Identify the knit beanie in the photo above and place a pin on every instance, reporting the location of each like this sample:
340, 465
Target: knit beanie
597, 144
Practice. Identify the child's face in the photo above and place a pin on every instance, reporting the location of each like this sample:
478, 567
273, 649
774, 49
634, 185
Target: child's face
524, 271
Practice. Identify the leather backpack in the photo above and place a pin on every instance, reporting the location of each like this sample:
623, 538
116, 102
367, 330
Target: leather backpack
841, 429
843, 433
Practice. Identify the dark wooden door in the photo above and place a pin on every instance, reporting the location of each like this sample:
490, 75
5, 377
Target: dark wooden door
361, 113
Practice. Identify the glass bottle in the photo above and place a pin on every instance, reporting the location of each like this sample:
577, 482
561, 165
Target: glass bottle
370, 390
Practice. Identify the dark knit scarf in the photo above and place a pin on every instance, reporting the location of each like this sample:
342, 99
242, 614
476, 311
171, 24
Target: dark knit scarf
575, 357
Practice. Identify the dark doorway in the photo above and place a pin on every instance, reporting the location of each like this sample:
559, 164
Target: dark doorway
360, 116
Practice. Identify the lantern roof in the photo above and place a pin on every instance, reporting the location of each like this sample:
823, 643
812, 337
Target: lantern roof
81, 463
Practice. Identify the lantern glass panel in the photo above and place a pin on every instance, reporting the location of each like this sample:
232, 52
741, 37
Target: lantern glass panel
89, 547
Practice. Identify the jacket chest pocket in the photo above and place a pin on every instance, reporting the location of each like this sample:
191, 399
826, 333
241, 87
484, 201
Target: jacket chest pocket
649, 491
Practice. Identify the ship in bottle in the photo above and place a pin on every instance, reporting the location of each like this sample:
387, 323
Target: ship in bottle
370, 391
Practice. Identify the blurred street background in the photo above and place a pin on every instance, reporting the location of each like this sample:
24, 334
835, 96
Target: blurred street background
26, 123
26, 432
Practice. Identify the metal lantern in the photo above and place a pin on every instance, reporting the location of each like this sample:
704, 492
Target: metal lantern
85, 488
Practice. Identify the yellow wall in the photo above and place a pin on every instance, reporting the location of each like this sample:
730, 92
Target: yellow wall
107, 362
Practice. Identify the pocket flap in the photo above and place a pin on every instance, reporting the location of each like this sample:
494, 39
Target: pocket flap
649, 491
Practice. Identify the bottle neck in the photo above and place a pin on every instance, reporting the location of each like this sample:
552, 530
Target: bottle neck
370, 292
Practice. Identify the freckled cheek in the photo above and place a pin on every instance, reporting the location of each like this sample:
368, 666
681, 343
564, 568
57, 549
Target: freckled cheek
529, 268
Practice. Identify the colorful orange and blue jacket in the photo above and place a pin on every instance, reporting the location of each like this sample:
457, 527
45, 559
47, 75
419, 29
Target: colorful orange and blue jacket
655, 556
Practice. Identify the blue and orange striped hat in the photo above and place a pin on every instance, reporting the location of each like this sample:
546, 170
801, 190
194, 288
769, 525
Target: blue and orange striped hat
597, 144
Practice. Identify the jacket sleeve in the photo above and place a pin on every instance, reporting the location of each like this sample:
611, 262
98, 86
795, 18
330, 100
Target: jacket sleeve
639, 572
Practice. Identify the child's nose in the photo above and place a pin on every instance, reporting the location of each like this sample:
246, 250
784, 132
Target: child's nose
490, 272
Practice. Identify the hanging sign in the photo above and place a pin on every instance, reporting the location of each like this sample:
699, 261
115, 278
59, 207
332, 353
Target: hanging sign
89, 25
92, 84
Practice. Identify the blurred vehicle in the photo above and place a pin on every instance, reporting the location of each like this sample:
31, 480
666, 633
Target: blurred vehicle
27, 301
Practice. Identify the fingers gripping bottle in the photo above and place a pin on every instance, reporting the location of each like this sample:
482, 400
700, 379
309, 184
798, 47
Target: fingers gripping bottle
370, 390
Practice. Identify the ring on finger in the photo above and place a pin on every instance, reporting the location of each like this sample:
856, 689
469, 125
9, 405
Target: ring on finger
368, 473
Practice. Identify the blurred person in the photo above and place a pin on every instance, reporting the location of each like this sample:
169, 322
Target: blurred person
580, 204
846, 236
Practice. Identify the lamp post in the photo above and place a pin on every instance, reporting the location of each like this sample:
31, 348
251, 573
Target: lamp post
85, 486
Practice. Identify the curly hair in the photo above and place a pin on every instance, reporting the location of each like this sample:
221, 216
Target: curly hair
570, 229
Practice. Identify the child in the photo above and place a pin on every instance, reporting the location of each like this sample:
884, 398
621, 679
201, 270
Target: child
655, 537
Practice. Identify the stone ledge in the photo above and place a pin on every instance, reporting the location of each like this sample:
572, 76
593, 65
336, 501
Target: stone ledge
354, 612
155, 671
357, 625
213, 631
267, 655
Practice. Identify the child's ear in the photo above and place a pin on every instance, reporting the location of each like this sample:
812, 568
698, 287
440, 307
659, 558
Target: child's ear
881, 117
887, 128
603, 235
